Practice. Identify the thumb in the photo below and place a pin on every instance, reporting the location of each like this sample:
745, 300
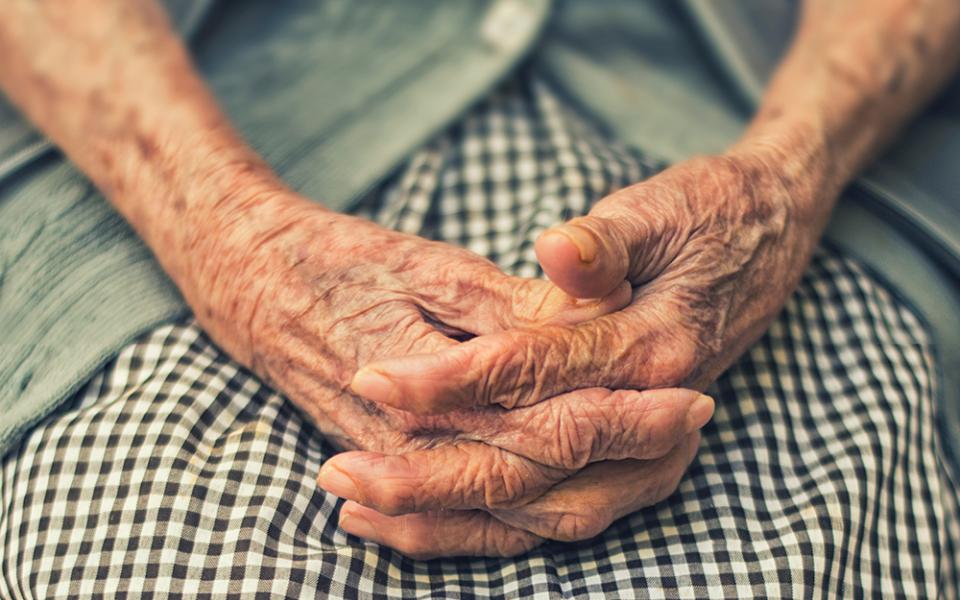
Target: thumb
589, 256
586, 257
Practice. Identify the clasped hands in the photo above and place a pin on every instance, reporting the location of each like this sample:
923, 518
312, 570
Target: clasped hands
481, 413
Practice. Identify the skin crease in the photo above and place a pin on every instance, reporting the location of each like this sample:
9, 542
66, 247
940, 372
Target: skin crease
711, 249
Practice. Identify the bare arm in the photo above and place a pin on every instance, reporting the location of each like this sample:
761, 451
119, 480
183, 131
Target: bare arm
112, 85
856, 74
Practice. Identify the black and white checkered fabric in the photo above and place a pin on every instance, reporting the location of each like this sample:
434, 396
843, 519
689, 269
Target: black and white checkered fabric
175, 472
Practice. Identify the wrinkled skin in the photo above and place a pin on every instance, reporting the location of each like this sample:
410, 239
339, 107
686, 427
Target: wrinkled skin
309, 297
712, 248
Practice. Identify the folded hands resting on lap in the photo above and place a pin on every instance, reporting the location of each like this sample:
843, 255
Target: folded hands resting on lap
536, 410
533, 410
711, 248
305, 297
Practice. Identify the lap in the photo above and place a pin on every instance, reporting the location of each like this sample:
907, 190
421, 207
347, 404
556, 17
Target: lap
176, 470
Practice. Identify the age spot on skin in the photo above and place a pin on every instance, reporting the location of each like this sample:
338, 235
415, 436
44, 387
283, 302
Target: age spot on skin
147, 147
106, 158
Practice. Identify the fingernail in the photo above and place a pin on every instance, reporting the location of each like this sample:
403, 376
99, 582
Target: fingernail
371, 384
699, 413
358, 525
582, 239
338, 483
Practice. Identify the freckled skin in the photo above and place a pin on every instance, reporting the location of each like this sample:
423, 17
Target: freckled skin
304, 296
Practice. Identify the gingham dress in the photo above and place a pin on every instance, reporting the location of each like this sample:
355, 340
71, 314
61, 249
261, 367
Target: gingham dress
175, 472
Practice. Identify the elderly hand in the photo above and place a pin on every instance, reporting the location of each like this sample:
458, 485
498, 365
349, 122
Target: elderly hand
304, 296
713, 247
577, 508
564, 469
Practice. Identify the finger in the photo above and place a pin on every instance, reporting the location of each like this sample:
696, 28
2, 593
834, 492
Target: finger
461, 476
527, 451
488, 301
581, 261
634, 348
589, 256
430, 535
575, 429
579, 508
585, 505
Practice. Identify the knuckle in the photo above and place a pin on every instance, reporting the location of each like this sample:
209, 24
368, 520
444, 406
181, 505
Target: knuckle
395, 496
680, 362
502, 484
521, 368
530, 300
649, 426
575, 440
622, 426
637, 422
394, 499
628, 227
416, 540
717, 177
660, 347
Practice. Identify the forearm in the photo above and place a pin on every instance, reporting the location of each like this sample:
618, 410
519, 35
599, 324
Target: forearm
112, 85
857, 71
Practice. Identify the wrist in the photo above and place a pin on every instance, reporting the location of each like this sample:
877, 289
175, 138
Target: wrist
797, 158
232, 254
222, 233
203, 220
